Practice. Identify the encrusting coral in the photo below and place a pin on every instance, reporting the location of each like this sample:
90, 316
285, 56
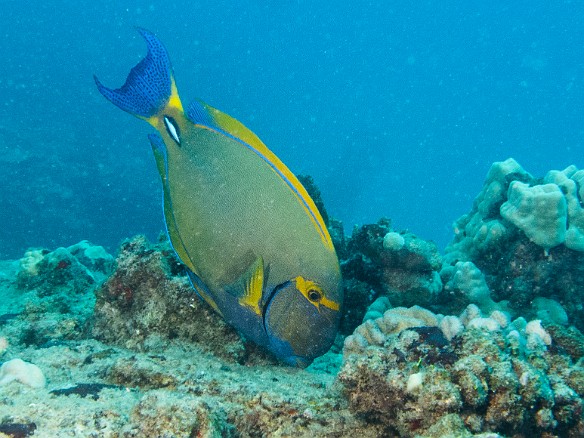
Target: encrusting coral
481, 230
539, 211
547, 211
570, 181
465, 284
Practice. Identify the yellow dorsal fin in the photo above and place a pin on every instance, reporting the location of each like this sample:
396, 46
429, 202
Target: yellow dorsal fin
236, 129
240, 131
253, 286
211, 118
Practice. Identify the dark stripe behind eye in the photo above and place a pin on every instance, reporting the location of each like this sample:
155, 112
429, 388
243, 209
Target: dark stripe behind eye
172, 129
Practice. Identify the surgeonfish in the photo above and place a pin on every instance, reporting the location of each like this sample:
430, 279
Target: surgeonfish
254, 245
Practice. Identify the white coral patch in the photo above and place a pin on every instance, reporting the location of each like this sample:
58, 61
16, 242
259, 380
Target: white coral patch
393, 241
23, 372
534, 328
414, 382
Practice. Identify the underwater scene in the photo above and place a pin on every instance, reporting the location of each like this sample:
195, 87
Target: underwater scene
292, 219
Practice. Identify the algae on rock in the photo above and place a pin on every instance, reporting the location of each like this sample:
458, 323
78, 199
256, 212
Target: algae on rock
148, 299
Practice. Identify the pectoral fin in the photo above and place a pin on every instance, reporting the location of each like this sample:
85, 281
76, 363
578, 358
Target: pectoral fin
253, 286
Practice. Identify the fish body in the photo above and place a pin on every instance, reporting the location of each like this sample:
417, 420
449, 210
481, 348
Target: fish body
254, 244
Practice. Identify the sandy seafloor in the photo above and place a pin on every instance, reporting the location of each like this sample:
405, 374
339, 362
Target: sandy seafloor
196, 388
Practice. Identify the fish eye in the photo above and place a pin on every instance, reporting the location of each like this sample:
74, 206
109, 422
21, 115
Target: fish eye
314, 295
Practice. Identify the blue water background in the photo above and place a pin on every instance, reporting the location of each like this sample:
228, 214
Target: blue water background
396, 109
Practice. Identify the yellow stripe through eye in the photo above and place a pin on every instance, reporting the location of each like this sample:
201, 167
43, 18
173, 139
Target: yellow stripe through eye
313, 293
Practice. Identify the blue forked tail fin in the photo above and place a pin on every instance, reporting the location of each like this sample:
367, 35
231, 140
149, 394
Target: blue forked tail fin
149, 85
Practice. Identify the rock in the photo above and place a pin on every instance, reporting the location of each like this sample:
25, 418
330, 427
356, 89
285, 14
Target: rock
406, 273
402, 372
148, 301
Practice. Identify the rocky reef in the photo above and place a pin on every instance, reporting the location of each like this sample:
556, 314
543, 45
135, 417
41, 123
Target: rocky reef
147, 358
421, 374
148, 299
483, 340
52, 292
507, 357
378, 261
524, 235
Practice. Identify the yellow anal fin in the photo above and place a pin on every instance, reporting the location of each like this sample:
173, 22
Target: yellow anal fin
253, 286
